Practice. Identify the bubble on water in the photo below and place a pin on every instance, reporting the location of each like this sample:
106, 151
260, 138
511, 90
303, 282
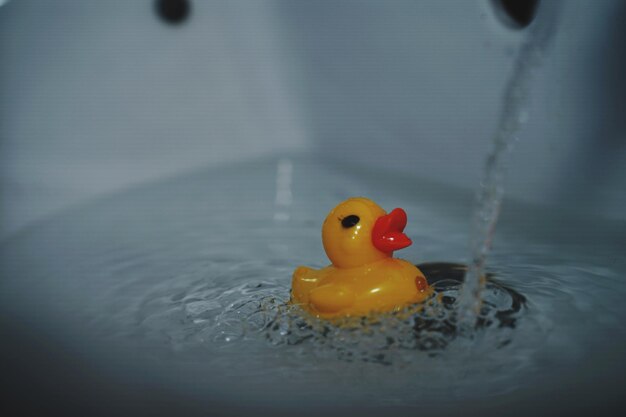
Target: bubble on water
260, 310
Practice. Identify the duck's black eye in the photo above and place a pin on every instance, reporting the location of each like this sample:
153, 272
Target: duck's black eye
349, 221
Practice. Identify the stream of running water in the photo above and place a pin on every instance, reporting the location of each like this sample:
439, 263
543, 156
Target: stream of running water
513, 116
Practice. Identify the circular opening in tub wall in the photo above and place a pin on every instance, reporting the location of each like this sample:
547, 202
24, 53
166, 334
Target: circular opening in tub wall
516, 14
173, 12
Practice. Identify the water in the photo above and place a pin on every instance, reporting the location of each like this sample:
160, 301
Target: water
513, 115
176, 292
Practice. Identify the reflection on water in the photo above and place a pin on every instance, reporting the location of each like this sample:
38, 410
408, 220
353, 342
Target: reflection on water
191, 277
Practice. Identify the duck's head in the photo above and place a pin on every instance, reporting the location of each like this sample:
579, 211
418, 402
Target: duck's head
358, 231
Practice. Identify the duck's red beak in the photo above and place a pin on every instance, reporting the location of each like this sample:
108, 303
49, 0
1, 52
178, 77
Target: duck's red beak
387, 234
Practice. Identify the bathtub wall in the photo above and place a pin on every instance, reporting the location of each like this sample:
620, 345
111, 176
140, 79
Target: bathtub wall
417, 86
102, 95
98, 96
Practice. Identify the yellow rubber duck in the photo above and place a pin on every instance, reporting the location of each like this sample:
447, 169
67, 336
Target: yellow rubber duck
359, 238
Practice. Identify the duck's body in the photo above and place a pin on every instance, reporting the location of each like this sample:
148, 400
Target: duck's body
359, 238
384, 285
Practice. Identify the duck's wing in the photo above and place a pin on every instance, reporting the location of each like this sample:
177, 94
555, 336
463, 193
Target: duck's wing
331, 298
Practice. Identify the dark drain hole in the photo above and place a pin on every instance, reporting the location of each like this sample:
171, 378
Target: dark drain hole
173, 12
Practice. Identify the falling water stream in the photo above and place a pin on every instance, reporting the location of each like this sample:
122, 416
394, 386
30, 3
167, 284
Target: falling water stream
513, 116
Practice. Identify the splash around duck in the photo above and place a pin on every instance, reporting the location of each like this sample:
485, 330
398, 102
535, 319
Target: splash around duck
359, 238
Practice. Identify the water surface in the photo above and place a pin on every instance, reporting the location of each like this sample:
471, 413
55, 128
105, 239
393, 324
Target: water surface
178, 288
